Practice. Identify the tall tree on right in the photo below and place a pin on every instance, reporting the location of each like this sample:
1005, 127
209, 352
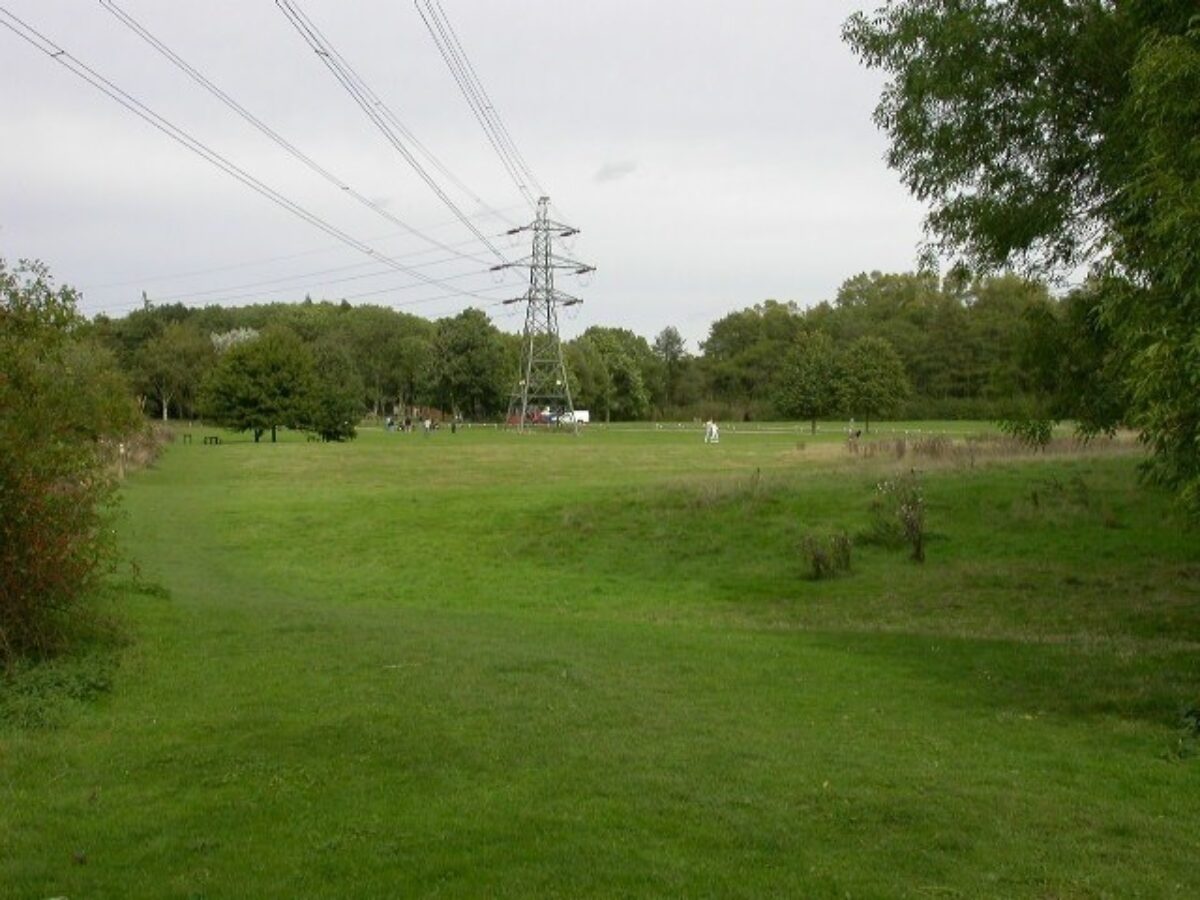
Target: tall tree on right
1049, 134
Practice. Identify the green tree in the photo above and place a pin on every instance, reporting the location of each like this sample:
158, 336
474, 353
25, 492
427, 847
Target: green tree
468, 371
671, 350
807, 385
377, 334
1153, 304
744, 350
630, 368
412, 360
261, 384
1053, 134
171, 366
63, 408
871, 379
590, 382
336, 404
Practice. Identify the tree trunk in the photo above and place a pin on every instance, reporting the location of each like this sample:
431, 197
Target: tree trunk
272, 434
814, 426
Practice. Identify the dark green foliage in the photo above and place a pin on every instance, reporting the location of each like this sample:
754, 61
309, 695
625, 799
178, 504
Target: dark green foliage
1032, 432
671, 350
1071, 355
171, 366
468, 369
63, 408
871, 379
261, 384
1052, 134
622, 370
998, 115
1157, 316
807, 385
392, 352
337, 401
743, 350
963, 345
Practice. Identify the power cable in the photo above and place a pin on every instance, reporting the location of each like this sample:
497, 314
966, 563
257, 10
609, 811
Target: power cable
306, 278
481, 294
265, 129
489, 105
478, 108
465, 75
32, 36
195, 273
371, 105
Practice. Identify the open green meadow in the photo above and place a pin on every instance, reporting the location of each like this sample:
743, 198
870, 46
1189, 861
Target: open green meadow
486, 664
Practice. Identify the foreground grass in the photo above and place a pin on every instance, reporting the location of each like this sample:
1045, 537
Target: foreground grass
483, 664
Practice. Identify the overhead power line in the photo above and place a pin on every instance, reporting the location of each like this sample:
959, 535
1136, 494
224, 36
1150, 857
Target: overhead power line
137, 28
485, 112
213, 270
266, 290
305, 278
372, 106
34, 37
482, 294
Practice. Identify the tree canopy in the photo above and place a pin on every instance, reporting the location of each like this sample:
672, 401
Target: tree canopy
808, 380
261, 384
870, 378
1051, 134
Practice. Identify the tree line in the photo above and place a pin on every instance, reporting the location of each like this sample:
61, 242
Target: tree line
913, 345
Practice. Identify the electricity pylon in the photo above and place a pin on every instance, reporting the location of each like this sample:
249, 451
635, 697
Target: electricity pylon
542, 382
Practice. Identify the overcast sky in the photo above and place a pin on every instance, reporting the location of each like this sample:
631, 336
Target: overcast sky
714, 153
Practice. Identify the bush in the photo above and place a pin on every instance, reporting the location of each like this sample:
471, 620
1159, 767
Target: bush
63, 408
898, 515
827, 555
1032, 432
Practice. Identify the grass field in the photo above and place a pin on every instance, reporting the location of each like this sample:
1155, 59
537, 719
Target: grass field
486, 664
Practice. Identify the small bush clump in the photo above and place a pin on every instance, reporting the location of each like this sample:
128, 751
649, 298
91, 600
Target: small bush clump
826, 555
898, 515
1034, 433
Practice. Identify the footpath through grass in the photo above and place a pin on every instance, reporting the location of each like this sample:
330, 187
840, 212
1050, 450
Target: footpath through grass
491, 665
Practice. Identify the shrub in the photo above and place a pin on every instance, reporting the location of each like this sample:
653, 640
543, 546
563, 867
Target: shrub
827, 555
898, 515
63, 406
1031, 432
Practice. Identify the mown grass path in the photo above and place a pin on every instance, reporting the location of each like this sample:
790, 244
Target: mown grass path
490, 665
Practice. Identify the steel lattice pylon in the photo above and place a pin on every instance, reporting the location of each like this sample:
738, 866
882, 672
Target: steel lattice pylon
542, 383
